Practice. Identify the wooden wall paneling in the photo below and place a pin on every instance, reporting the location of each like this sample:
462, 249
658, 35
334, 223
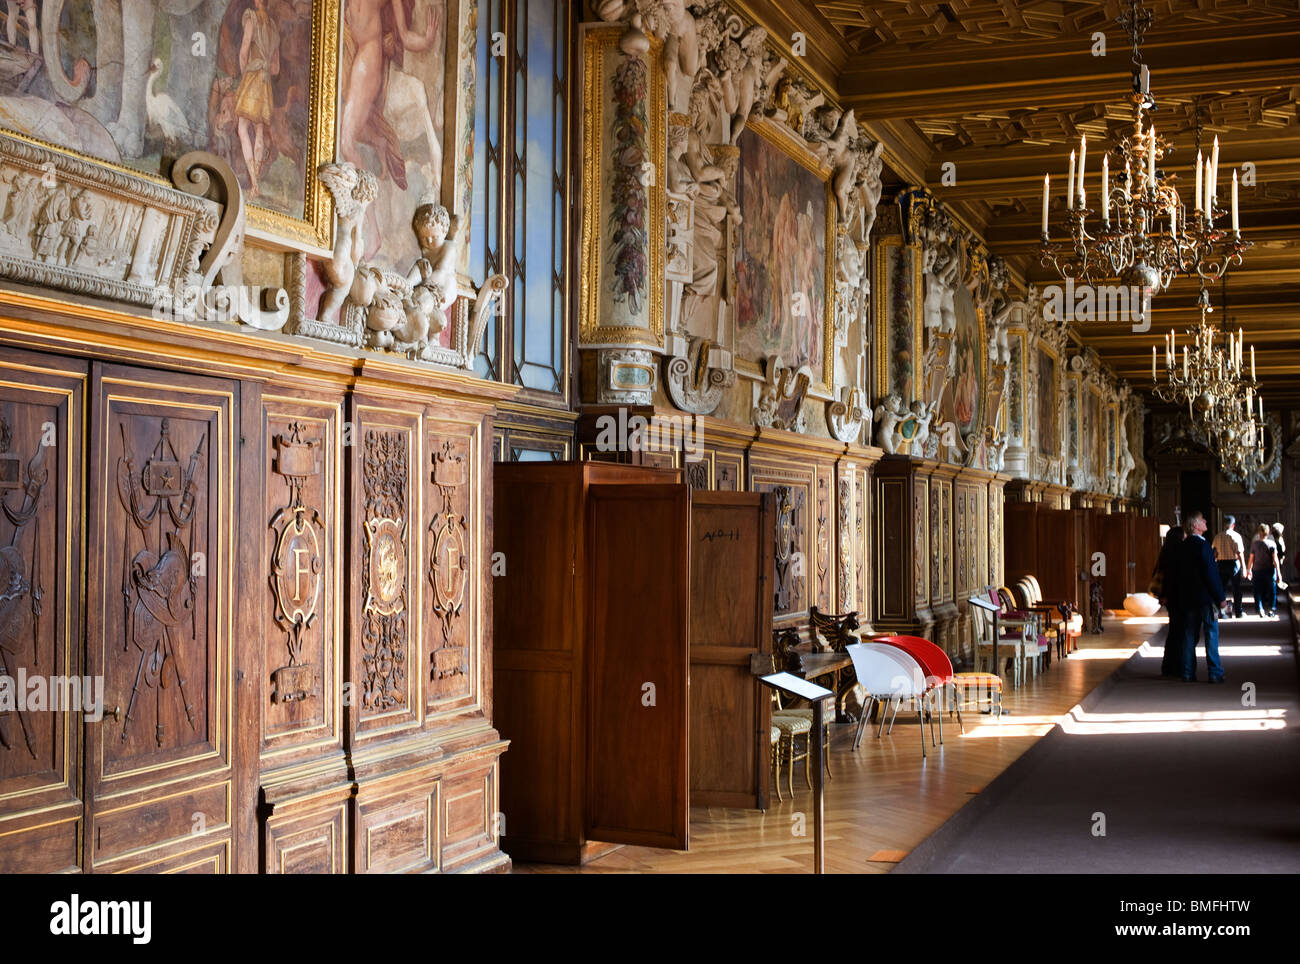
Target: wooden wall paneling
943, 534
304, 775
729, 470
826, 558
638, 665
1055, 535
861, 537
1146, 550
1110, 537
42, 414
387, 538
1020, 540
452, 568
162, 777
730, 621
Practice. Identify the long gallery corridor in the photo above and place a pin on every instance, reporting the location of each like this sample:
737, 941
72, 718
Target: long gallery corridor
1174, 767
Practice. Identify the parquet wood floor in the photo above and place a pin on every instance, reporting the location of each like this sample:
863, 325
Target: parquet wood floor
883, 799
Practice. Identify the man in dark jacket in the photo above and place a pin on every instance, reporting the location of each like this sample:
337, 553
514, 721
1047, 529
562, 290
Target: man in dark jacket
1202, 596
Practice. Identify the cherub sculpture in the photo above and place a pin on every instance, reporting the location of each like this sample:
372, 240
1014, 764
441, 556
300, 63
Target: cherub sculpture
426, 292
888, 414
353, 189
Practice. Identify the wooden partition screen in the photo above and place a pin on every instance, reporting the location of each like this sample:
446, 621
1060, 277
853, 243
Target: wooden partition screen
1020, 541
731, 620
1062, 557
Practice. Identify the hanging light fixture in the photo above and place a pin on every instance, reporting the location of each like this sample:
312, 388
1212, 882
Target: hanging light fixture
1210, 374
1140, 231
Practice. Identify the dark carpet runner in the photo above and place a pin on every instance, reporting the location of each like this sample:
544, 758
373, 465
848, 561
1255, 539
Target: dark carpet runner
1187, 778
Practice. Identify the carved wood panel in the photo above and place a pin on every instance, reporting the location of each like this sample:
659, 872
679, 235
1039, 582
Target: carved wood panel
385, 662
729, 471
920, 534
452, 564
302, 622
162, 544
792, 537
41, 414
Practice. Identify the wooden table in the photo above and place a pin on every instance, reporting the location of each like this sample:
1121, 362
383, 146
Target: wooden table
811, 666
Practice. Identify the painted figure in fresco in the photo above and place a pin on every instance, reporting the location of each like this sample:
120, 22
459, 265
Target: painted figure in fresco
28, 10
964, 397
259, 62
375, 91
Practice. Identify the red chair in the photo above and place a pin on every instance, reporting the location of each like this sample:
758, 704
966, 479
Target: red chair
938, 670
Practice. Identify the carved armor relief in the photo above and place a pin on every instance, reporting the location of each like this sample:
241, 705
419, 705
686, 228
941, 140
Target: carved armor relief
160, 615
40, 559
302, 658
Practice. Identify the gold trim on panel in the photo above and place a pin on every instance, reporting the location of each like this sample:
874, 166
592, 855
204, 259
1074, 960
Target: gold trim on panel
596, 43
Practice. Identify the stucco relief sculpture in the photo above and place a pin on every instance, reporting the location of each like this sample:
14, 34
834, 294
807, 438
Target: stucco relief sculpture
80, 227
848, 416
696, 380
888, 414
779, 402
364, 305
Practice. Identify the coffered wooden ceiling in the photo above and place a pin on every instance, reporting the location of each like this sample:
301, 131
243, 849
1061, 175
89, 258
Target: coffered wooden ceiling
1003, 91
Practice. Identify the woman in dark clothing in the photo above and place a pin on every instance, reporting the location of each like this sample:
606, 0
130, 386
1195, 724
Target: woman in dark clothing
1164, 587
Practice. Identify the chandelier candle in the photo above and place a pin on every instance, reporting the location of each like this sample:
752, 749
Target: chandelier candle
1083, 160
1047, 187
1151, 161
1105, 189
1214, 169
1199, 175
1069, 185
1236, 225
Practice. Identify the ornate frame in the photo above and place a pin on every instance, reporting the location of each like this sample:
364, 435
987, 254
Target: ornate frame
596, 42
316, 228
797, 150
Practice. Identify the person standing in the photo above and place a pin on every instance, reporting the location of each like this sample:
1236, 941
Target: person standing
1278, 529
1230, 553
1201, 595
1164, 586
1264, 571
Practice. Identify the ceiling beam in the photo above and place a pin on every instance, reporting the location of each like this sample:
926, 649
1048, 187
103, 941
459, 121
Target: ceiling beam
948, 83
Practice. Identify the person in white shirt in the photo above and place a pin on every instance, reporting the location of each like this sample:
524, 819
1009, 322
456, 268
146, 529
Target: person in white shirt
1230, 554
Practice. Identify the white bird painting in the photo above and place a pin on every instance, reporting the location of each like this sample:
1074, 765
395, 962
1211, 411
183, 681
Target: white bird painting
164, 112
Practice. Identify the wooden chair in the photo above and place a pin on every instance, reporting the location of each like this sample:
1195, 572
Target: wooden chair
838, 631
776, 759
784, 641
1013, 643
890, 676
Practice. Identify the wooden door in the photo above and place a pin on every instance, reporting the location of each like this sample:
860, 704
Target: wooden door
161, 779
41, 561
731, 620
638, 560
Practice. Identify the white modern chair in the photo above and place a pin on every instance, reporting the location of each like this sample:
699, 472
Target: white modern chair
890, 676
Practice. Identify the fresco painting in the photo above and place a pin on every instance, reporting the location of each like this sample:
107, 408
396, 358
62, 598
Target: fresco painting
780, 260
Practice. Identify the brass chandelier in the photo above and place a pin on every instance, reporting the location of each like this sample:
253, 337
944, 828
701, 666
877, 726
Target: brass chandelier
1211, 380
1145, 235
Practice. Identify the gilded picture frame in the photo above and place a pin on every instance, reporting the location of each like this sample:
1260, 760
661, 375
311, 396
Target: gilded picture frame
600, 51
314, 230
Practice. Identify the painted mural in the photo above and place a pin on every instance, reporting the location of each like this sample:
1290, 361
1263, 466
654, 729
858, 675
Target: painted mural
392, 78
1017, 403
132, 83
780, 259
1048, 442
967, 386
900, 272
